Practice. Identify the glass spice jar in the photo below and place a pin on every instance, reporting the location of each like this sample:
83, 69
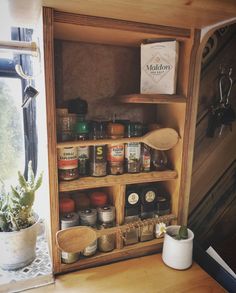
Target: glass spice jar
98, 153
115, 156
82, 133
67, 159
133, 149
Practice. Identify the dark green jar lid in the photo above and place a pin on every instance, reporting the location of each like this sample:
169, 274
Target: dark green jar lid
82, 127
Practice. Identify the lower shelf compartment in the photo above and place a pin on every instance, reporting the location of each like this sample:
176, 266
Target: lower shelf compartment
131, 251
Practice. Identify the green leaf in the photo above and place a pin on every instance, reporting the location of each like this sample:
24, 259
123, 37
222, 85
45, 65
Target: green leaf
39, 182
15, 192
183, 232
30, 175
22, 181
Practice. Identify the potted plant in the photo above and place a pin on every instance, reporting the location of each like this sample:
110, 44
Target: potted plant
18, 222
177, 247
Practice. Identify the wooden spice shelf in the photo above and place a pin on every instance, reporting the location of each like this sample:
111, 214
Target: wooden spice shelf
139, 249
110, 180
151, 99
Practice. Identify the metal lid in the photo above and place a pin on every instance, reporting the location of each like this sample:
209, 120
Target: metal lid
106, 214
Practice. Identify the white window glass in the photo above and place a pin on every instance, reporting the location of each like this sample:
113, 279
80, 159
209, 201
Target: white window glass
12, 157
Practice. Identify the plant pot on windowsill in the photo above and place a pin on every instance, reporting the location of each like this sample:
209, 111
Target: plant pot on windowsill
18, 223
177, 253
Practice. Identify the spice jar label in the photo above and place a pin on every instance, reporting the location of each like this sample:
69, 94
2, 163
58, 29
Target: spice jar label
150, 196
133, 198
83, 152
67, 158
133, 151
115, 153
98, 153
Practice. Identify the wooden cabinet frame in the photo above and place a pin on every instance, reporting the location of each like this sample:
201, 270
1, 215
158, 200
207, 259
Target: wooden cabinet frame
179, 113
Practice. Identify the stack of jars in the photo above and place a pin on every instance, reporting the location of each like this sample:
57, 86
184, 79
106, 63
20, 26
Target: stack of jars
112, 159
88, 209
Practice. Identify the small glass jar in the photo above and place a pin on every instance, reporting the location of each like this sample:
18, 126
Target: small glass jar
66, 124
82, 133
67, 159
106, 243
145, 158
115, 154
98, 154
133, 149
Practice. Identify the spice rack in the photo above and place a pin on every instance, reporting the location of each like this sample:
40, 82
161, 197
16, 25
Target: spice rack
99, 36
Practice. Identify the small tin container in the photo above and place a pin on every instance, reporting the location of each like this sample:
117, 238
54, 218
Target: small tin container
88, 217
106, 243
69, 220
106, 214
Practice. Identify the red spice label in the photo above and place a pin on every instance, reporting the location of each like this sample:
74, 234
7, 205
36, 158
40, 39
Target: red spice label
67, 158
115, 153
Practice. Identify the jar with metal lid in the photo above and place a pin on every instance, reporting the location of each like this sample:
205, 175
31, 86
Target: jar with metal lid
69, 220
133, 149
67, 159
82, 133
106, 214
98, 154
88, 217
115, 155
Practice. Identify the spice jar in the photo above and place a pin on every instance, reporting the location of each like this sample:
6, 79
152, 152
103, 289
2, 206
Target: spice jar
133, 149
67, 159
98, 154
132, 213
65, 126
106, 217
88, 217
162, 205
145, 158
148, 206
69, 219
115, 151
82, 133
98, 199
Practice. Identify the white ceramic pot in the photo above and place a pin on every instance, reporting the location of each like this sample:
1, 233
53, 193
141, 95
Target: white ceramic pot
18, 248
177, 254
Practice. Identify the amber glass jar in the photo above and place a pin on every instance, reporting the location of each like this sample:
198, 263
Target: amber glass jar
115, 155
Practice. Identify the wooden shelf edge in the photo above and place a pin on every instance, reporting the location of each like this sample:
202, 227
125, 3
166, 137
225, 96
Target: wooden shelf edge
110, 180
131, 251
151, 99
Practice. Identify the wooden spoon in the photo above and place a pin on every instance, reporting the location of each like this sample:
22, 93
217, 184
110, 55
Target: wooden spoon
159, 139
77, 238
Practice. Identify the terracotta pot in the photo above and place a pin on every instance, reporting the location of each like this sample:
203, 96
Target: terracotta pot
18, 248
177, 254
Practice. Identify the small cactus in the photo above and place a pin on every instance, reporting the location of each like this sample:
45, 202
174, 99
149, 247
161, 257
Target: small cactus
16, 206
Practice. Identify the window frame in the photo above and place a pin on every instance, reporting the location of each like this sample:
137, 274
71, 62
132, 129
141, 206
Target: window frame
7, 69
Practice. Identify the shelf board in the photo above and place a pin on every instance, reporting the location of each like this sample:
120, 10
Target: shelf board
110, 180
151, 99
139, 249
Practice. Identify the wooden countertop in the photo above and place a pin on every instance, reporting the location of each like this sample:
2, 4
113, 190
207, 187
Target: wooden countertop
140, 275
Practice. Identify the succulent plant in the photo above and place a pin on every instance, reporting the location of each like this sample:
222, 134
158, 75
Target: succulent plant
16, 211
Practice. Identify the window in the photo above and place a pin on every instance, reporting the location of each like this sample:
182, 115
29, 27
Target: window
18, 134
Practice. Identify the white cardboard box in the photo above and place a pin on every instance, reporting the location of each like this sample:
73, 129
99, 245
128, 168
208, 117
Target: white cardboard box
159, 62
